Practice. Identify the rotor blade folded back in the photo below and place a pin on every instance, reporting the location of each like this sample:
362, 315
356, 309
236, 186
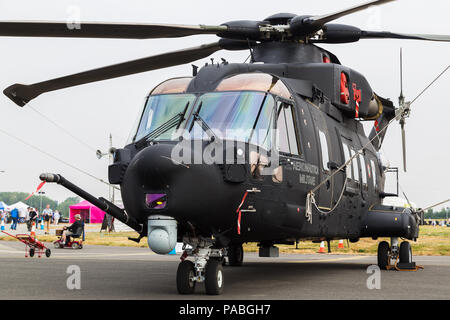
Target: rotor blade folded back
321, 20
103, 30
391, 35
404, 147
22, 94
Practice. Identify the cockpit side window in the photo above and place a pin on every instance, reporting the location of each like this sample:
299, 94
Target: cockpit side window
286, 129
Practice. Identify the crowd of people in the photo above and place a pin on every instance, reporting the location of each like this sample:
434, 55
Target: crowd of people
441, 223
46, 217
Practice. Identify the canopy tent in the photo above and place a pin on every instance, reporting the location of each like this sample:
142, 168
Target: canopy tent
89, 213
4, 206
22, 207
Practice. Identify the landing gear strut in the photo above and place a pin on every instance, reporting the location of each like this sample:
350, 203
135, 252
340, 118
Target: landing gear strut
207, 267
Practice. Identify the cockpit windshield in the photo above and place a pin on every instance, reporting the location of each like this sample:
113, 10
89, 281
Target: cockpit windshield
245, 116
160, 109
237, 115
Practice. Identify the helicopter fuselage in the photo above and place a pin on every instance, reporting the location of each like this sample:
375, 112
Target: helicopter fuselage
204, 198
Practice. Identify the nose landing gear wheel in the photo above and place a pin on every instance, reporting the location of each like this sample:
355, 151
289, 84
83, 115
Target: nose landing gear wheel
383, 255
405, 253
185, 275
214, 279
235, 255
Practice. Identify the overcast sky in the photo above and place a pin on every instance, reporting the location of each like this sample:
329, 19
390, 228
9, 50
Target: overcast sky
93, 111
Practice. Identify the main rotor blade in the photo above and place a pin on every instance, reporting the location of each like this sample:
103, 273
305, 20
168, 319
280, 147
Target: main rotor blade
321, 20
22, 94
103, 30
391, 35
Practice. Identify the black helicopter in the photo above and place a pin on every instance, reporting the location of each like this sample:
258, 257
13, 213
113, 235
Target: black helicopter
297, 164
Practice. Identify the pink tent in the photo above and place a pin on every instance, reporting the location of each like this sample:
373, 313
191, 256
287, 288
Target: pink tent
89, 213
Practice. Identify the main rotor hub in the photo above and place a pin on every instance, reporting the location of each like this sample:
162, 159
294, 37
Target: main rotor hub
280, 18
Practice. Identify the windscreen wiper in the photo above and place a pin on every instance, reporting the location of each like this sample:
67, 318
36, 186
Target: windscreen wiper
163, 128
205, 127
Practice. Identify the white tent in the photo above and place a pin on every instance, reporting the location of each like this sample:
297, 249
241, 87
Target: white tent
22, 207
3, 206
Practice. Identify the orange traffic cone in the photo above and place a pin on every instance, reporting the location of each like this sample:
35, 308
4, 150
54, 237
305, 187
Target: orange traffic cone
33, 230
322, 247
341, 244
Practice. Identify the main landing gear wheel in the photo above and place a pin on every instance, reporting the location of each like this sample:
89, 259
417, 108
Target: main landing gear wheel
31, 252
405, 252
214, 279
48, 253
235, 255
383, 255
185, 277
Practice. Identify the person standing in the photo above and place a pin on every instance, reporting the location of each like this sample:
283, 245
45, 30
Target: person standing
3, 216
14, 216
47, 214
56, 217
33, 216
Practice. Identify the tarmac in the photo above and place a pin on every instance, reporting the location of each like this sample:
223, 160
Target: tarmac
137, 273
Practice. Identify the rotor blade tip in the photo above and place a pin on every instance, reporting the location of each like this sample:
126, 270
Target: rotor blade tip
18, 94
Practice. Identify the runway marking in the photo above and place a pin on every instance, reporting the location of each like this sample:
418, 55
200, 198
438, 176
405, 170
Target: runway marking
98, 256
11, 251
4, 247
329, 260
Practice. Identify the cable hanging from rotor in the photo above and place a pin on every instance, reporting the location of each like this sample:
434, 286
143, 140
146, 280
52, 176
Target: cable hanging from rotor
435, 205
61, 128
57, 159
310, 199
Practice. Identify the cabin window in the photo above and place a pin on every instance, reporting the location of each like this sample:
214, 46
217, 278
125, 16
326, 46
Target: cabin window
287, 134
362, 163
354, 165
324, 149
374, 175
346, 151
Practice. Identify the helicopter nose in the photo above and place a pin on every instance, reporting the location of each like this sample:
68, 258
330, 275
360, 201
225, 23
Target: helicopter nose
155, 185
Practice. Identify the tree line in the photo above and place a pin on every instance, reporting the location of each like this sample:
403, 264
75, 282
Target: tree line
35, 201
444, 213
